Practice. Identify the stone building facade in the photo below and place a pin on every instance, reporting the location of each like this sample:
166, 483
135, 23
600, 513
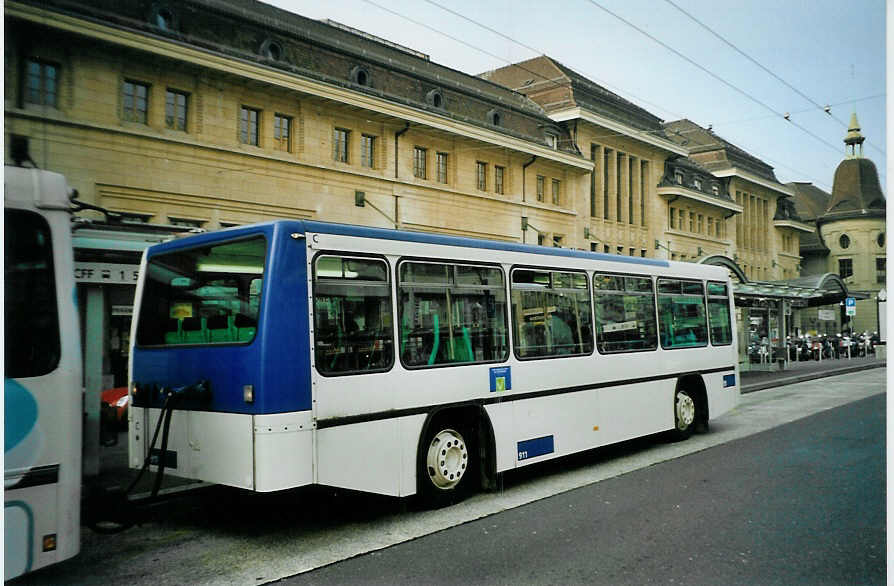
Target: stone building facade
205, 114
850, 233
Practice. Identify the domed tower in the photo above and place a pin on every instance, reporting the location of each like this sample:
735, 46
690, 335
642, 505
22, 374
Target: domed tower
853, 228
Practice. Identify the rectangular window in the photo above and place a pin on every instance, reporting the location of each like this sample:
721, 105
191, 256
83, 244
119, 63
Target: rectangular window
558, 240
606, 157
442, 167
880, 271
618, 184
498, 179
30, 302
692, 221
249, 126
282, 133
204, 295
451, 314
175, 110
352, 315
420, 156
368, 151
482, 175
625, 313
41, 83
719, 314
185, 222
700, 224
551, 313
340, 144
540, 180
593, 151
711, 226
673, 219
681, 314
556, 189
845, 267
643, 182
135, 102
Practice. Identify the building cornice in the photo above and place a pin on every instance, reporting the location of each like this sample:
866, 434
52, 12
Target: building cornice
680, 191
736, 172
640, 135
794, 225
234, 66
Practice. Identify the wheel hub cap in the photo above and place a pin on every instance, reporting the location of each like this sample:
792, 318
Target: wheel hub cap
447, 459
685, 411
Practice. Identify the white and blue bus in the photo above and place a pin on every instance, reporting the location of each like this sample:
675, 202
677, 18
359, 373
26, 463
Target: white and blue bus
42, 394
292, 353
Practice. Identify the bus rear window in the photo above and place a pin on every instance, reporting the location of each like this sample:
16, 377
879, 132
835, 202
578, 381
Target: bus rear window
207, 295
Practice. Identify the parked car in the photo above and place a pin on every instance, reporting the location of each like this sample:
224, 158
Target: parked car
114, 403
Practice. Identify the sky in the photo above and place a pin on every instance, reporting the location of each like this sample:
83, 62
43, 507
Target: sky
739, 66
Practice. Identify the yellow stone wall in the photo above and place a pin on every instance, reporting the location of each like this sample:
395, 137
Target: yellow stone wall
206, 174
863, 251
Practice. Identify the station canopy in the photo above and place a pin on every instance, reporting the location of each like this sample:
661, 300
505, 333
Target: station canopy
809, 291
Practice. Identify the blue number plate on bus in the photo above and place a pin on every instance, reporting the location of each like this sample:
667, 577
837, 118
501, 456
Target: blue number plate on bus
535, 447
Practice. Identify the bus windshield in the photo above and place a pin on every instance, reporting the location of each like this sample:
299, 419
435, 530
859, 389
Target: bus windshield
32, 322
205, 295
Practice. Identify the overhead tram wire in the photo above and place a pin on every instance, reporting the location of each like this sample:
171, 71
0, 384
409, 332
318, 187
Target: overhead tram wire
767, 70
714, 75
542, 77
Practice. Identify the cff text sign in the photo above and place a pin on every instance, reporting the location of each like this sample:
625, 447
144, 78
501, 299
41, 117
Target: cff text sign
106, 272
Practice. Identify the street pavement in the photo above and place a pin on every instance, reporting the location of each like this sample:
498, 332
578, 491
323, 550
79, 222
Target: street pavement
802, 503
230, 536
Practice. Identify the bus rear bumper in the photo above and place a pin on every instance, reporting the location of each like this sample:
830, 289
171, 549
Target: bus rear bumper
255, 452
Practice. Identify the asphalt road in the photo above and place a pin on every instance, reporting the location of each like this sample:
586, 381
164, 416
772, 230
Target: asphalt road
803, 503
751, 515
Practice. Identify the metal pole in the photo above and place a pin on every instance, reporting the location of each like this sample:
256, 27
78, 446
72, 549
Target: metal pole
93, 354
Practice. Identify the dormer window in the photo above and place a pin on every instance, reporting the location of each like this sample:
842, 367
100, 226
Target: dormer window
164, 18
435, 98
360, 76
697, 184
678, 177
271, 50
715, 189
494, 118
552, 140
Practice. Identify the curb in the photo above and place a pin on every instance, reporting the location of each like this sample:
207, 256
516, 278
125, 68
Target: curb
797, 378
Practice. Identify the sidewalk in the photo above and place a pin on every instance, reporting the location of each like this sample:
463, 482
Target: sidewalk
795, 372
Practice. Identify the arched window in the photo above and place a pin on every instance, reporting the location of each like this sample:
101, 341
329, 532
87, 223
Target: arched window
360, 75
435, 98
494, 117
271, 50
163, 17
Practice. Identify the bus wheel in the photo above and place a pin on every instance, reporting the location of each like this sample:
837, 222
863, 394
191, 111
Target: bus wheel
684, 414
448, 465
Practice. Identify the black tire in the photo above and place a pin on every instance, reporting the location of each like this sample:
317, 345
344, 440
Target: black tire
685, 415
448, 464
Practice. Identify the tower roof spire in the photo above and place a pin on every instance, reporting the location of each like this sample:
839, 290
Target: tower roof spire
853, 136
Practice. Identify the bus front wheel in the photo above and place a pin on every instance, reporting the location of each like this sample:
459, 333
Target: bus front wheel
684, 414
448, 465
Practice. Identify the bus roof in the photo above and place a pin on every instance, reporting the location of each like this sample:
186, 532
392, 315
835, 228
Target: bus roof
313, 226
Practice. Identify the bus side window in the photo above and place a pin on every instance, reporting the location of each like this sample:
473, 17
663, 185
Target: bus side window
719, 315
451, 314
681, 311
352, 315
625, 313
551, 313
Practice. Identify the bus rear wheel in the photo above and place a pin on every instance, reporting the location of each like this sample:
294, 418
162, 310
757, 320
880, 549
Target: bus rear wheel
684, 414
447, 465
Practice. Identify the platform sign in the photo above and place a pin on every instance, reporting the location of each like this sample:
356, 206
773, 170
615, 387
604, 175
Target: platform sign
850, 306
